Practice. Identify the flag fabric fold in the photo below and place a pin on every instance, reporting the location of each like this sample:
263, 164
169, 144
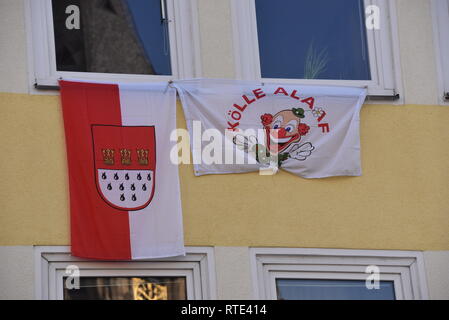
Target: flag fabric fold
310, 131
124, 190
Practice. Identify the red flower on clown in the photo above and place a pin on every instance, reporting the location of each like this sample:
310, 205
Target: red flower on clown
266, 119
303, 129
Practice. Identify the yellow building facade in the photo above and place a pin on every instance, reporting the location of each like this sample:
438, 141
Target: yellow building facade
399, 205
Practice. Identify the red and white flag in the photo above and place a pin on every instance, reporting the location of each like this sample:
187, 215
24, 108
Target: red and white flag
124, 190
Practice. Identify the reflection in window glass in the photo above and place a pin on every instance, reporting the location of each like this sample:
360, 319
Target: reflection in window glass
111, 36
128, 288
311, 289
313, 39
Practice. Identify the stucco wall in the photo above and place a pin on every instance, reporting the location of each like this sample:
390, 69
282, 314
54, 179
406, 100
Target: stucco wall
13, 47
216, 39
400, 202
417, 51
233, 273
437, 263
16, 272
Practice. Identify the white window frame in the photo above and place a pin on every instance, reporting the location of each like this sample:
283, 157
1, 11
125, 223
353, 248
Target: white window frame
184, 46
382, 46
404, 268
197, 266
440, 20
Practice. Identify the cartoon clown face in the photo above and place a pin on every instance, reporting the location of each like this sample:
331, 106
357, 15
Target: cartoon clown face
283, 129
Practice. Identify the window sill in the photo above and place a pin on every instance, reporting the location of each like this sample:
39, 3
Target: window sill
369, 98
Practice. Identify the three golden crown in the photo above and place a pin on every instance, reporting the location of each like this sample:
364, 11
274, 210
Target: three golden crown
125, 156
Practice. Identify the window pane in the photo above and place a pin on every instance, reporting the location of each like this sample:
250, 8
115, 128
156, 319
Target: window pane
310, 289
132, 288
112, 36
312, 39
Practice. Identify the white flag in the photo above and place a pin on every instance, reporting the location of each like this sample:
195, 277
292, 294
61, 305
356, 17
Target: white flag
311, 131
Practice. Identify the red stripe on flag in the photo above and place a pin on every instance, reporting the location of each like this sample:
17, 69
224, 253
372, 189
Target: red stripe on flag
97, 230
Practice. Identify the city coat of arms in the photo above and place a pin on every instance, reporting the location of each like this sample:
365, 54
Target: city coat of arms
125, 164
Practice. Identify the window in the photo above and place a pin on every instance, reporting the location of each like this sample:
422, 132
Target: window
440, 18
309, 274
113, 39
128, 288
317, 42
318, 289
111, 36
335, 50
190, 277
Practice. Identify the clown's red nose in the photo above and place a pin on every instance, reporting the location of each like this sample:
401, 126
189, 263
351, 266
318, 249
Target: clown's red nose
281, 133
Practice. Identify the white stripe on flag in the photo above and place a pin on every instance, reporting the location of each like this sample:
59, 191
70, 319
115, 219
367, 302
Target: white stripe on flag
155, 231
